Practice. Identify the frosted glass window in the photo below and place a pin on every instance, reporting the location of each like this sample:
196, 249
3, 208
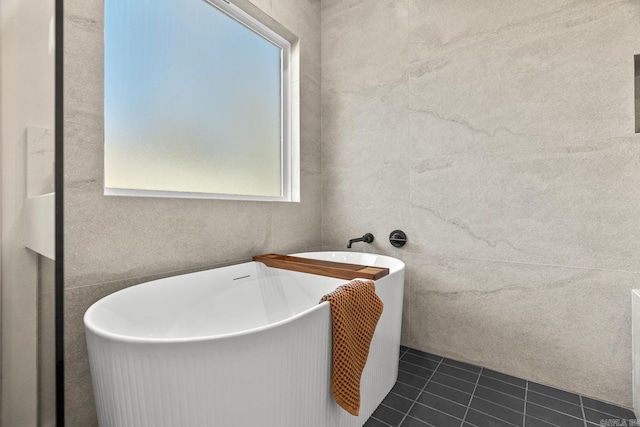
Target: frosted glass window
196, 102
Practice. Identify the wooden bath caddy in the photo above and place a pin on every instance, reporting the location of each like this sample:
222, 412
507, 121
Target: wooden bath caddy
338, 270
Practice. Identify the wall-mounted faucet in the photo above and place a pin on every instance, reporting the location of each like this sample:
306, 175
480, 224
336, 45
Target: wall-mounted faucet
367, 238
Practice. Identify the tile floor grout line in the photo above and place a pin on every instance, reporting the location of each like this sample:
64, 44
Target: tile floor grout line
458, 378
491, 416
501, 392
604, 412
428, 356
559, 412
421, 391
479, 367
413, 364
547, 421
524, 408
458, 403
496, 404
418, 366
529, 392
427, 423
556, 398
452, 388
461, 368
584, 416
435, 381
542, 393
413, 373
503, 382
471, 382
511, 384
390, 407
399, 395
436, 409
380, 421
440, 397
471, 398
449, 365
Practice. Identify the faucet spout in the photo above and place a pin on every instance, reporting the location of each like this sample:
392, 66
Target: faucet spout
367, 238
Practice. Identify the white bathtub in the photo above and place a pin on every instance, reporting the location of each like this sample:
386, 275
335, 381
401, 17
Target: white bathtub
239, 346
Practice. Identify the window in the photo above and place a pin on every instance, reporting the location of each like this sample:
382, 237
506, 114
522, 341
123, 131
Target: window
197, 102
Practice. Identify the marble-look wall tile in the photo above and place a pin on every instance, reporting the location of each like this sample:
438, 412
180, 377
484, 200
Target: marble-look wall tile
355, 36
574, 206
350, 210
499, 137
310, 124
364, 122
89, 10
101, 248
553, 325
372, 111
528, 77
293, 236
83, 60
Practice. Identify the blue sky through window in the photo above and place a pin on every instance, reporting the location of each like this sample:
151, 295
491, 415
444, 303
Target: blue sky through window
192, 100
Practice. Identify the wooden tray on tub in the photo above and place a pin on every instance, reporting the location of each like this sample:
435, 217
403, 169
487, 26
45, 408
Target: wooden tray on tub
339, 270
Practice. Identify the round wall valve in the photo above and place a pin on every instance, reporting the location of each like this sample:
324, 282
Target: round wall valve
398, 238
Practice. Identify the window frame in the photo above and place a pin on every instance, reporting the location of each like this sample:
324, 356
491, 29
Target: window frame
288, 188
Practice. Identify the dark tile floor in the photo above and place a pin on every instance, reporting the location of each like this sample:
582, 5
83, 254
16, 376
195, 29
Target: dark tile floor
440, 392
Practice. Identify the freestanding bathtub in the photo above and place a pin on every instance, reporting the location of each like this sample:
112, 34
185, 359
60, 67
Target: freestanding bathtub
239, 346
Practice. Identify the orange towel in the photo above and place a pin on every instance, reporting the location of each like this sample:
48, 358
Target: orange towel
355, 310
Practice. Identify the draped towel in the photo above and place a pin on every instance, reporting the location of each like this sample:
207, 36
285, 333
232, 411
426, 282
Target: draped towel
355, 311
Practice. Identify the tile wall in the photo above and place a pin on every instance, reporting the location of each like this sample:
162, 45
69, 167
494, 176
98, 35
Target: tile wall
500, 137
